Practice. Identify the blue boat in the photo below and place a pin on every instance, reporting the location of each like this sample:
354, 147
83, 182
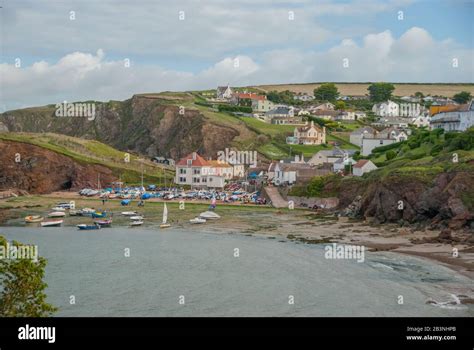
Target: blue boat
88, 227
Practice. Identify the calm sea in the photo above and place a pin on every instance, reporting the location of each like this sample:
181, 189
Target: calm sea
146, 272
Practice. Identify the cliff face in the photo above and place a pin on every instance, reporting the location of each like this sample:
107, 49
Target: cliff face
143, 124
42, 171
445, 201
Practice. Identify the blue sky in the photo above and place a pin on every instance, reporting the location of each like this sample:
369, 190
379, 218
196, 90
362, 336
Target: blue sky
83, 58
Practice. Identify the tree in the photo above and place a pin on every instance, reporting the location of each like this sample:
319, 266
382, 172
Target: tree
390, 155
340, 105
380, 92
462, 97
419, 94
326, 92
22, 287
286, 97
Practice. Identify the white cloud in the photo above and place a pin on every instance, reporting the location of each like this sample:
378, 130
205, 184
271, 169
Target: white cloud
152, 28
414, 57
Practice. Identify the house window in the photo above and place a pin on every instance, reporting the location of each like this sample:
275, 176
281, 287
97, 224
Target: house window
190, 162
381, 142
210, 179
204, 179
182, 171
196, 171
182, 179
196, 180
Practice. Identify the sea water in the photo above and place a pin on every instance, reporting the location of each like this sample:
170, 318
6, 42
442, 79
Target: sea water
179, 272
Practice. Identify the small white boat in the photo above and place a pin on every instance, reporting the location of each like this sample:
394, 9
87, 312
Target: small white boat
129, 213
72, 212
165, 218
57, 214
136, 218
51, 223
209, 215
136, 223
58, 209
198, 221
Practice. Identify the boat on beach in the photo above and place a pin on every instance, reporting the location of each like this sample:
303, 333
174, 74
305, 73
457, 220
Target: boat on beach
52, 223
56, 214
136, 218
209, 215
198, 221
58, 209
104, 223
165, 224
129, 213
85, 212
88, 227
97, 214
33, 218
136, 223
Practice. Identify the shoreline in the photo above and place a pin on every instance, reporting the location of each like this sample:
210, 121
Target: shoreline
249, 219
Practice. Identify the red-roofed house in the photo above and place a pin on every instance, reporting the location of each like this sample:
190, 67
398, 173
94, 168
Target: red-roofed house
246, 98
363, 166
195, 171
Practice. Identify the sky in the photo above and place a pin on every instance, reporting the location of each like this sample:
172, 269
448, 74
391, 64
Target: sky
63, 50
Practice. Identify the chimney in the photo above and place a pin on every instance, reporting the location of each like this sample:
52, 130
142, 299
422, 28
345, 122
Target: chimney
312, 123
194, 155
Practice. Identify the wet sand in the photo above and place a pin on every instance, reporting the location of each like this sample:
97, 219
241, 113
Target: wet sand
300, 225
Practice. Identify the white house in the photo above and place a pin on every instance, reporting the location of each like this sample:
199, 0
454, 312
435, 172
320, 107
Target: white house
356, 136
195, 171
421, 121
363, 166
398, 135
262, 106
224, 92
459, 120
411, 110
371, 142
303, 97
330, 156
386, 109
281, 173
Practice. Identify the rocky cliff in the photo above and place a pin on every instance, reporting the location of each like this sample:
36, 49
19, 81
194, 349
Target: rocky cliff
445, 201
38, 170
147, 124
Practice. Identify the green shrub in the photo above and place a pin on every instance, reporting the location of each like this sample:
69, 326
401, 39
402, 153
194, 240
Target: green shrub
390, 155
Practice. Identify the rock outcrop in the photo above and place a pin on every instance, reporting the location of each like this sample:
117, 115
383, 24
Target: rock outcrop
26, 167
444, 202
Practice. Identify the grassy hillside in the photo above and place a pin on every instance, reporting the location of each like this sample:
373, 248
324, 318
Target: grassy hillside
94, 152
